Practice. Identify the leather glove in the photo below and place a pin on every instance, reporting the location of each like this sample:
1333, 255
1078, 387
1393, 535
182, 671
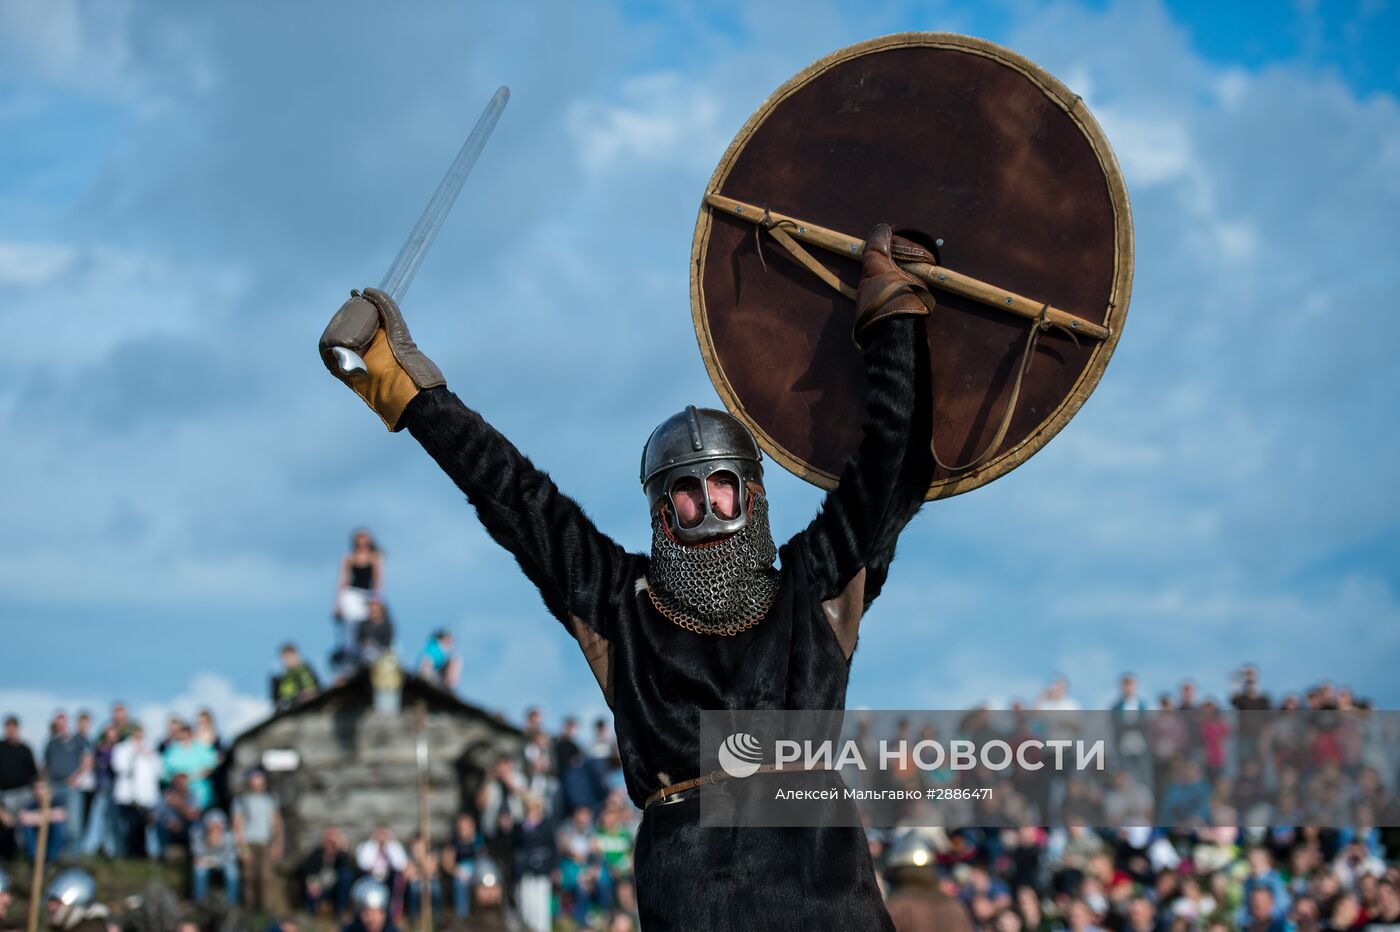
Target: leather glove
371, 325
885, 289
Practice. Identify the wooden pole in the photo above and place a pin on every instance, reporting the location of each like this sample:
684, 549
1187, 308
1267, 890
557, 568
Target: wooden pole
36, 883
937, 276
425, 914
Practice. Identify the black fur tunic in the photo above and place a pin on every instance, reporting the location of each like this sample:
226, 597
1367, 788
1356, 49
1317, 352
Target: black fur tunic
657, 677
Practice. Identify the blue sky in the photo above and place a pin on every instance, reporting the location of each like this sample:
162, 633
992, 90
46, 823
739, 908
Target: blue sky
187, 194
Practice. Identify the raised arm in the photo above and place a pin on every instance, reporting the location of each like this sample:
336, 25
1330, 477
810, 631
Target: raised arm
579, 571
851, 541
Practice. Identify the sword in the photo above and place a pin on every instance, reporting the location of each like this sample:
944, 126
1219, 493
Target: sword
420, 239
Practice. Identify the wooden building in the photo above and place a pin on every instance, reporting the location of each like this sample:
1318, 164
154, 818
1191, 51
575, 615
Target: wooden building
352, 757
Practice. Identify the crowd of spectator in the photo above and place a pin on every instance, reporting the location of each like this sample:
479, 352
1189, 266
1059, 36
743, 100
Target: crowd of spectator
110, 791
555, 829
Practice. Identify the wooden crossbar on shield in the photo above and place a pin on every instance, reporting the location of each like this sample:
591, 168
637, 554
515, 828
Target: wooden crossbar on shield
936, 276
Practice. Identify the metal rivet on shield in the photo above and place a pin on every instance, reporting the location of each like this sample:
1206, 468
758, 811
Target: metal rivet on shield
1074, 325
802, 229
1008, 300
938, 242
853, 247
738, 210
943, 278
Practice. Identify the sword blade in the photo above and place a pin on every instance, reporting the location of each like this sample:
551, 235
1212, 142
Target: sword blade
405, 265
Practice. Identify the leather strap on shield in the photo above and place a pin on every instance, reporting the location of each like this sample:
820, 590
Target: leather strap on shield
1027, 355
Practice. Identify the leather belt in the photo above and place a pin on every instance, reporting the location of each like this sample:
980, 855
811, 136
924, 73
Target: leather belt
717, 776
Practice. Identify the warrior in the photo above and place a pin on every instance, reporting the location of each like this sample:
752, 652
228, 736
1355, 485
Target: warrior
370, 899
716, 616
69, 905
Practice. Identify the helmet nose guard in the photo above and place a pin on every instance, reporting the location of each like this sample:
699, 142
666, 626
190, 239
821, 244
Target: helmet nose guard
699, 442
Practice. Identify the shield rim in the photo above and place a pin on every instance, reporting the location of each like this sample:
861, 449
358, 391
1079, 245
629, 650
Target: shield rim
1119, 293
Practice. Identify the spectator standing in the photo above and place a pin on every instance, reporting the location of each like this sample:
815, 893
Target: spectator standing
87, 780
1250, 700
438, 663
206, 733
360, 581
536, 859
212, 848
102, 822
67, 762
136, 770
1130, 738
1061, 723
197, 760
566, 749
297, 681
542, 784
500, 793
18, 771
1166, 735
121, 720
1214, 732
173, 725
602, 752
257, 829
326, 874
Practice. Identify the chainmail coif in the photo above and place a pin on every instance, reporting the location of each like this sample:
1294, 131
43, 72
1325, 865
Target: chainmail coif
715, 588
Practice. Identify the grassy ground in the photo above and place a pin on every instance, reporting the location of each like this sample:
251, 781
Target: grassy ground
142, 894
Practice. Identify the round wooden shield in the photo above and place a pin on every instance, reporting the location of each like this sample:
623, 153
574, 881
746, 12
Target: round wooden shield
958, 138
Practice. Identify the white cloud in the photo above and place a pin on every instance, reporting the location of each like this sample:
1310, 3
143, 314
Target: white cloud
1150, 149
31, 264
233, 711
657, 118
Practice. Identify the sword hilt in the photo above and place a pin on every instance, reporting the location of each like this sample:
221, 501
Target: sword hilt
350, 363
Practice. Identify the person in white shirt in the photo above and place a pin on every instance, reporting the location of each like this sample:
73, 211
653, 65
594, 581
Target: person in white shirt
381, 856
136, 768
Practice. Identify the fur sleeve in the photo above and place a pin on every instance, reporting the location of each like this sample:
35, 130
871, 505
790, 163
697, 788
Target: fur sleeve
883, 484
580, 572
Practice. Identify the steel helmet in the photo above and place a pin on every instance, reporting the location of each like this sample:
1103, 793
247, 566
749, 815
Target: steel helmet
73, 888
911, 850
368, 893
692, 446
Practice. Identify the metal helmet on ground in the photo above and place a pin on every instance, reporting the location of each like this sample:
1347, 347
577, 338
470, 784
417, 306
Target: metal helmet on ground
73, 888
691, 447
368, 893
